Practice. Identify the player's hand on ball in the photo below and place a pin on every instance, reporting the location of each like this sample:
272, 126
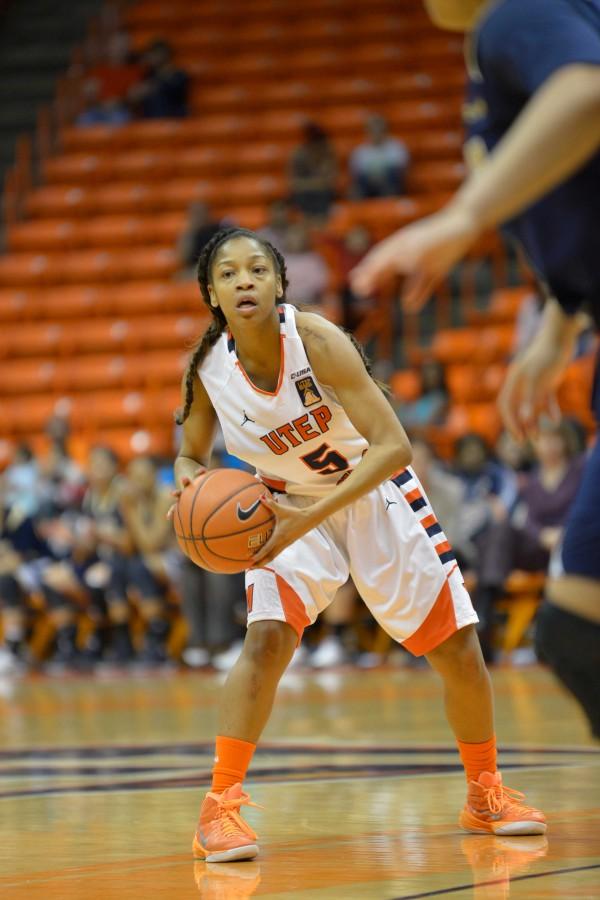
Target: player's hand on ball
184, 483
290, 524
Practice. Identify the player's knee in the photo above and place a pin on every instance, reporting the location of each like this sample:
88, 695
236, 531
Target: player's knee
269, 644
459, 656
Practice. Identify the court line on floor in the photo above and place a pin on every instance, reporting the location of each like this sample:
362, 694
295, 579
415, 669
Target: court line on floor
477, 884
270, 748
272, 775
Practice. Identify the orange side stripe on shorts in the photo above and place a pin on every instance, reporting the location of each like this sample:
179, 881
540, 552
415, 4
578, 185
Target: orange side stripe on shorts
439, 625
413, 495
250, 597
273, 483
428, 521
443, 547
293, 607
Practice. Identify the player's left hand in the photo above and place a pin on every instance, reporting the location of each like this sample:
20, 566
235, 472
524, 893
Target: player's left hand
424, 252
290, 524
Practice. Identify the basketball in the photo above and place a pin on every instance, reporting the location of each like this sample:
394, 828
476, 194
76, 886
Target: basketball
220, 522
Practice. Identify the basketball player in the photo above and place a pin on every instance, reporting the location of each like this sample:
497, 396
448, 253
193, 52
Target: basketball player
295, 399
535, 107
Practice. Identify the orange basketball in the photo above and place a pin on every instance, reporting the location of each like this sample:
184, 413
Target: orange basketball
220, 522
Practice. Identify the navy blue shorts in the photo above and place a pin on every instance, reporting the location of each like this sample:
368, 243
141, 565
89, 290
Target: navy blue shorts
581, 544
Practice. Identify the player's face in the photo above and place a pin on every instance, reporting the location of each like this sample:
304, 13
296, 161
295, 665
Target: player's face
244, 283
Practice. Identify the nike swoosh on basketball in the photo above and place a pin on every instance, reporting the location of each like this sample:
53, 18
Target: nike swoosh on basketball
244, 514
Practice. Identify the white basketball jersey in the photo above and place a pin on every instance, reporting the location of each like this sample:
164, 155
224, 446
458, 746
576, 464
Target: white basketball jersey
298, 437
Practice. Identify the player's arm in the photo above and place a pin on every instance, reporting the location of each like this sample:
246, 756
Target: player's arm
198, 435
337, 363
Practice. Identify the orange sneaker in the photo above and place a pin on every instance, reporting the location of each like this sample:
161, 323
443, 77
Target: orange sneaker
221, 834
492, 808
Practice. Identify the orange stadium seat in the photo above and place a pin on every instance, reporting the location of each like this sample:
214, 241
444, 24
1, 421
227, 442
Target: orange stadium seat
473, 384
406, 385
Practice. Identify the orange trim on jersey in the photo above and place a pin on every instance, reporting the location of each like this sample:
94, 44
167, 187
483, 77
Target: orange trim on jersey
428, 521
273, 483
250, 597
415, 494
443, 547
281, 371
439, 625
293, 607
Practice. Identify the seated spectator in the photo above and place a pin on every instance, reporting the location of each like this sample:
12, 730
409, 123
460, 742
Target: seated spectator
280, 219
312, 173
24, 555
430, 408
307, 272
201, 226
378, 167
357, 241
490, 491
89, 542
101, 112
118, 72
154, 562
163, 93
526, 538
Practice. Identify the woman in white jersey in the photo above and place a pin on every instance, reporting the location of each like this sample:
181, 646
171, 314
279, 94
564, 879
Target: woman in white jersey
294, 398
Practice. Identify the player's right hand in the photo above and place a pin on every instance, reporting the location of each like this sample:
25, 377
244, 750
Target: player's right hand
423, 252
184, 483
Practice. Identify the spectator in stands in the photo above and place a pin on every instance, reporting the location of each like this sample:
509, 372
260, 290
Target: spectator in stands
21, 481
101, 112
163, 93
90, 542
378, 166
200, 228
280, 219
490, 491
527, 538
312, 173
119, 71
24, 555
431, 406
154, 562
62, 480
352, 248
307, 272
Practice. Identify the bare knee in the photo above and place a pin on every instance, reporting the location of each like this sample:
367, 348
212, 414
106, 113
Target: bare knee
459, 656
269, 644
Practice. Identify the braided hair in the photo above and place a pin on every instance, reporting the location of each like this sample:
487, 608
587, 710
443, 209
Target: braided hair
218, 323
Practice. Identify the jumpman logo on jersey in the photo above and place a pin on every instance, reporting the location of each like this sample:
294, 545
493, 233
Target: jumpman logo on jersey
247, 418
389, 503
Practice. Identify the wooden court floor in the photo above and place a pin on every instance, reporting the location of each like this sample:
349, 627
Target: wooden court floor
101, 779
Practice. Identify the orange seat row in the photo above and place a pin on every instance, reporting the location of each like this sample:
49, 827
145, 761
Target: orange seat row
56, 376
98, 232
86, 266
210, 160
91, 410
419, 116
135, 298
99, 336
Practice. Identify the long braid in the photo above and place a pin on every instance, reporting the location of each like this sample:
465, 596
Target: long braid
219, 322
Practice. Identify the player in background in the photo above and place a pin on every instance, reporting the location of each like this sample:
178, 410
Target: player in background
295, 399
534, 68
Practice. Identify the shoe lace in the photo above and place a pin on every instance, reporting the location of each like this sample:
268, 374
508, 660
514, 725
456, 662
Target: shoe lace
230, 819
500, 798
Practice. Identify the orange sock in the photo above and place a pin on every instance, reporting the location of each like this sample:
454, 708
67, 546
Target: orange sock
232, 758
478, 758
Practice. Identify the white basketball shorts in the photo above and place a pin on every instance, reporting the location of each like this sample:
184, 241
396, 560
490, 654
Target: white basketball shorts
392, 545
